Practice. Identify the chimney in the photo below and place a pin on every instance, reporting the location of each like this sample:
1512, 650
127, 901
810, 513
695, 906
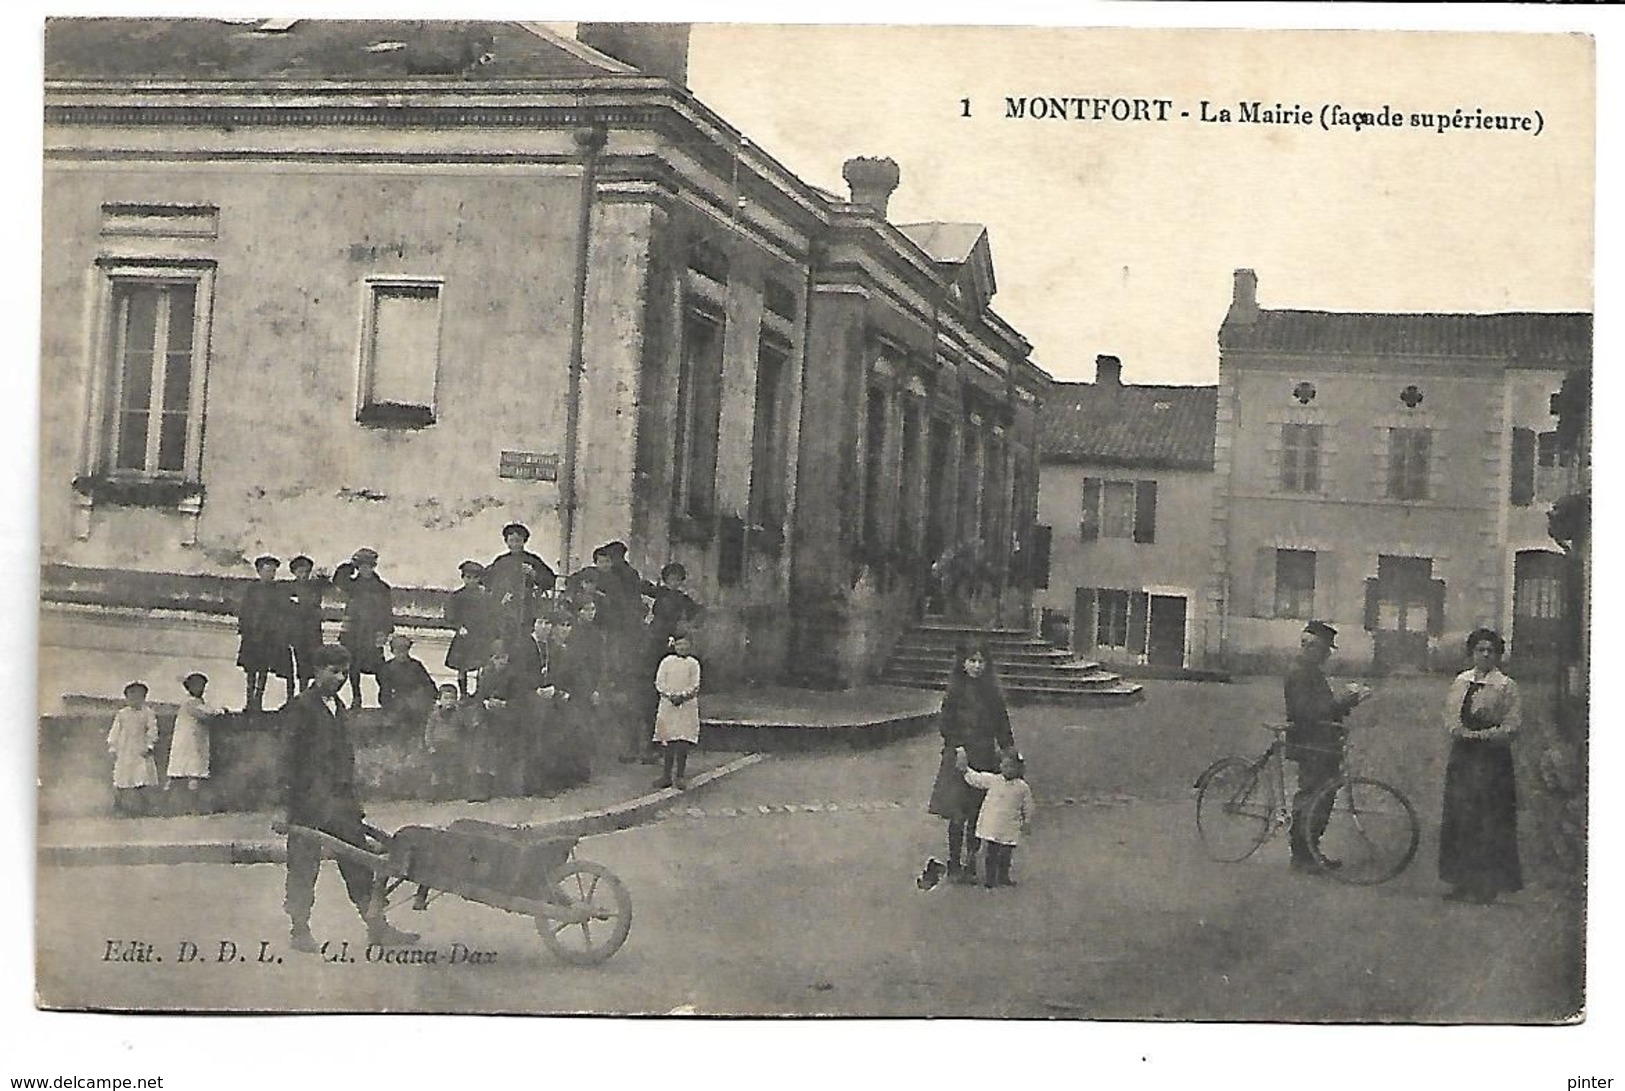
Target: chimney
1108, 371
654, 49
872, 181
1244, 302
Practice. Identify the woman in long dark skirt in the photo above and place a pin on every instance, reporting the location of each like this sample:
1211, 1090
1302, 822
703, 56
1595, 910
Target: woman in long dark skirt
1478, 836
974, 717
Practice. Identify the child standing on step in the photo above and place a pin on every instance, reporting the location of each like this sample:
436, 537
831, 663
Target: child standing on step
677, 721
262, 625
131, 741
1006, 814
189, 748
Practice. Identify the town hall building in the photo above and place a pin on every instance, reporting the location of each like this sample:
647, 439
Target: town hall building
317, 285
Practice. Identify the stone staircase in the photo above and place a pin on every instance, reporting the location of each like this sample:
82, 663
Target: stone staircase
1030, 669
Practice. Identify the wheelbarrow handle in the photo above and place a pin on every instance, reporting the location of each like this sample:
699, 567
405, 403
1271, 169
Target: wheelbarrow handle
377, 834
280, 827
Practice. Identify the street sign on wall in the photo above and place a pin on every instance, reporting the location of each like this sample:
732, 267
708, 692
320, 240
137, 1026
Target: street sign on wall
529, 466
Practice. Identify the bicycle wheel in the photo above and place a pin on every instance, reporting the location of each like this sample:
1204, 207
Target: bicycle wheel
1233, 809
592, 891
1371, 830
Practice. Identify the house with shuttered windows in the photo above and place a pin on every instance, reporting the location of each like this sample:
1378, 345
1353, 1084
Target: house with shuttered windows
1125, 493
1391, 474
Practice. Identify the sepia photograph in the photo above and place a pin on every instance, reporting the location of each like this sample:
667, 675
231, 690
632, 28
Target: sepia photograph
1054, 526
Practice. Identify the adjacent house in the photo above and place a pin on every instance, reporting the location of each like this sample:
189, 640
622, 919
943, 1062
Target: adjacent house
314, 285
1125, 495
1391, 474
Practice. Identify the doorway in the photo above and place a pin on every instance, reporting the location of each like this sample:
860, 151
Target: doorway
1537, 604
1404, 605
1166, 646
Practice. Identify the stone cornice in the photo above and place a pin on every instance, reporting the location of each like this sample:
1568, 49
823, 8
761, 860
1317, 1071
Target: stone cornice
613, 102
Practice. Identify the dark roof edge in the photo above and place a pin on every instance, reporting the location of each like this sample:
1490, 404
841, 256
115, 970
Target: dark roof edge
1119, 462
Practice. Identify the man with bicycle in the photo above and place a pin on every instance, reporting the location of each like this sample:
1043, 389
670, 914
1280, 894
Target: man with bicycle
1315, 737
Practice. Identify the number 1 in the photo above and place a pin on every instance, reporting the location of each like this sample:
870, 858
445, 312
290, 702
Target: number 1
964, 107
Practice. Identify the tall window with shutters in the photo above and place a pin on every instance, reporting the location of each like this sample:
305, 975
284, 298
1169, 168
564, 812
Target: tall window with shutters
400, 353
1111, 620
147, 398
769, 461
1300, 457
1551, 482
1295, 583
1409, 463
1118, 509
699, 406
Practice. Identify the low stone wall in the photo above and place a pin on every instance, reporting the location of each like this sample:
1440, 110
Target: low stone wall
543, 752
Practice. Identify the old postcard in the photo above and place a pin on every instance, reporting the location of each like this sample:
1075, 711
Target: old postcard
719, 519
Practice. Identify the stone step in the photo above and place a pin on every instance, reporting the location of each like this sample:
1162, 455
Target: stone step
1086, 679
1062, 669
931, 625
939, 638
946, 656
1114, 692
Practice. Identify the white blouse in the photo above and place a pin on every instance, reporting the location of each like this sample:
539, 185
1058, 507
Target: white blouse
1497, 701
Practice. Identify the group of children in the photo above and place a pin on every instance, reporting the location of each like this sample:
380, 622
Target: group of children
133, 741
585, 653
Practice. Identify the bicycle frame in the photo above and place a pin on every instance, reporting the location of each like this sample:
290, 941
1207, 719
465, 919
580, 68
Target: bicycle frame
1242, 803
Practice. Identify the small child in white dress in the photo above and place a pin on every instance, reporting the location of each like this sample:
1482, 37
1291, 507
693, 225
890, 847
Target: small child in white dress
677, 721
189, 749
131, 741
1006, 814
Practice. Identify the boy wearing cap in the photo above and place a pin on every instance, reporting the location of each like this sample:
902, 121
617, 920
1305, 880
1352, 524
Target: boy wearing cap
405, 690
1315, 735
262, 628
369, 616
517, 579
470, 611
304, 618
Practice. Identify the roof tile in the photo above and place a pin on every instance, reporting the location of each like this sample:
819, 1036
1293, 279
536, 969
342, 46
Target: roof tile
1152, 427
1553, 338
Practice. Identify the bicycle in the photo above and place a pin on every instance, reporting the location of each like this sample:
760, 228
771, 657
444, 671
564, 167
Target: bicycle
1371, 833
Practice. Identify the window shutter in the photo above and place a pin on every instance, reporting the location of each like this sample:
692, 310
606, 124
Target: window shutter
1039, 557
1523, 467
1379, 462
1371, 596
1435, 607
1089, 527
1329, 484
1326, 585
1273, 444
1264, 583
1139, 612
1434, 465
1083, 620
1145, 511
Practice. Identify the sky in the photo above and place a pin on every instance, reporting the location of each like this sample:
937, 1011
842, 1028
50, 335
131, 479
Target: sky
1122, 238
1105, 239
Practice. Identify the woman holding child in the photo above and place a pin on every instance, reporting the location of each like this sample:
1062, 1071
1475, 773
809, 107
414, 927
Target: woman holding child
974, 718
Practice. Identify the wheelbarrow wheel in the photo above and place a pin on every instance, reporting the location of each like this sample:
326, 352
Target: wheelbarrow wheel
596, 913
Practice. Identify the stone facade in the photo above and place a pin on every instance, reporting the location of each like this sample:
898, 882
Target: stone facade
1126, 492
1389, 474
401, 310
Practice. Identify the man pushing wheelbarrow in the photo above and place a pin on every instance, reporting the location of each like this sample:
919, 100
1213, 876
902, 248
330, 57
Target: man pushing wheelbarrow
321, 796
